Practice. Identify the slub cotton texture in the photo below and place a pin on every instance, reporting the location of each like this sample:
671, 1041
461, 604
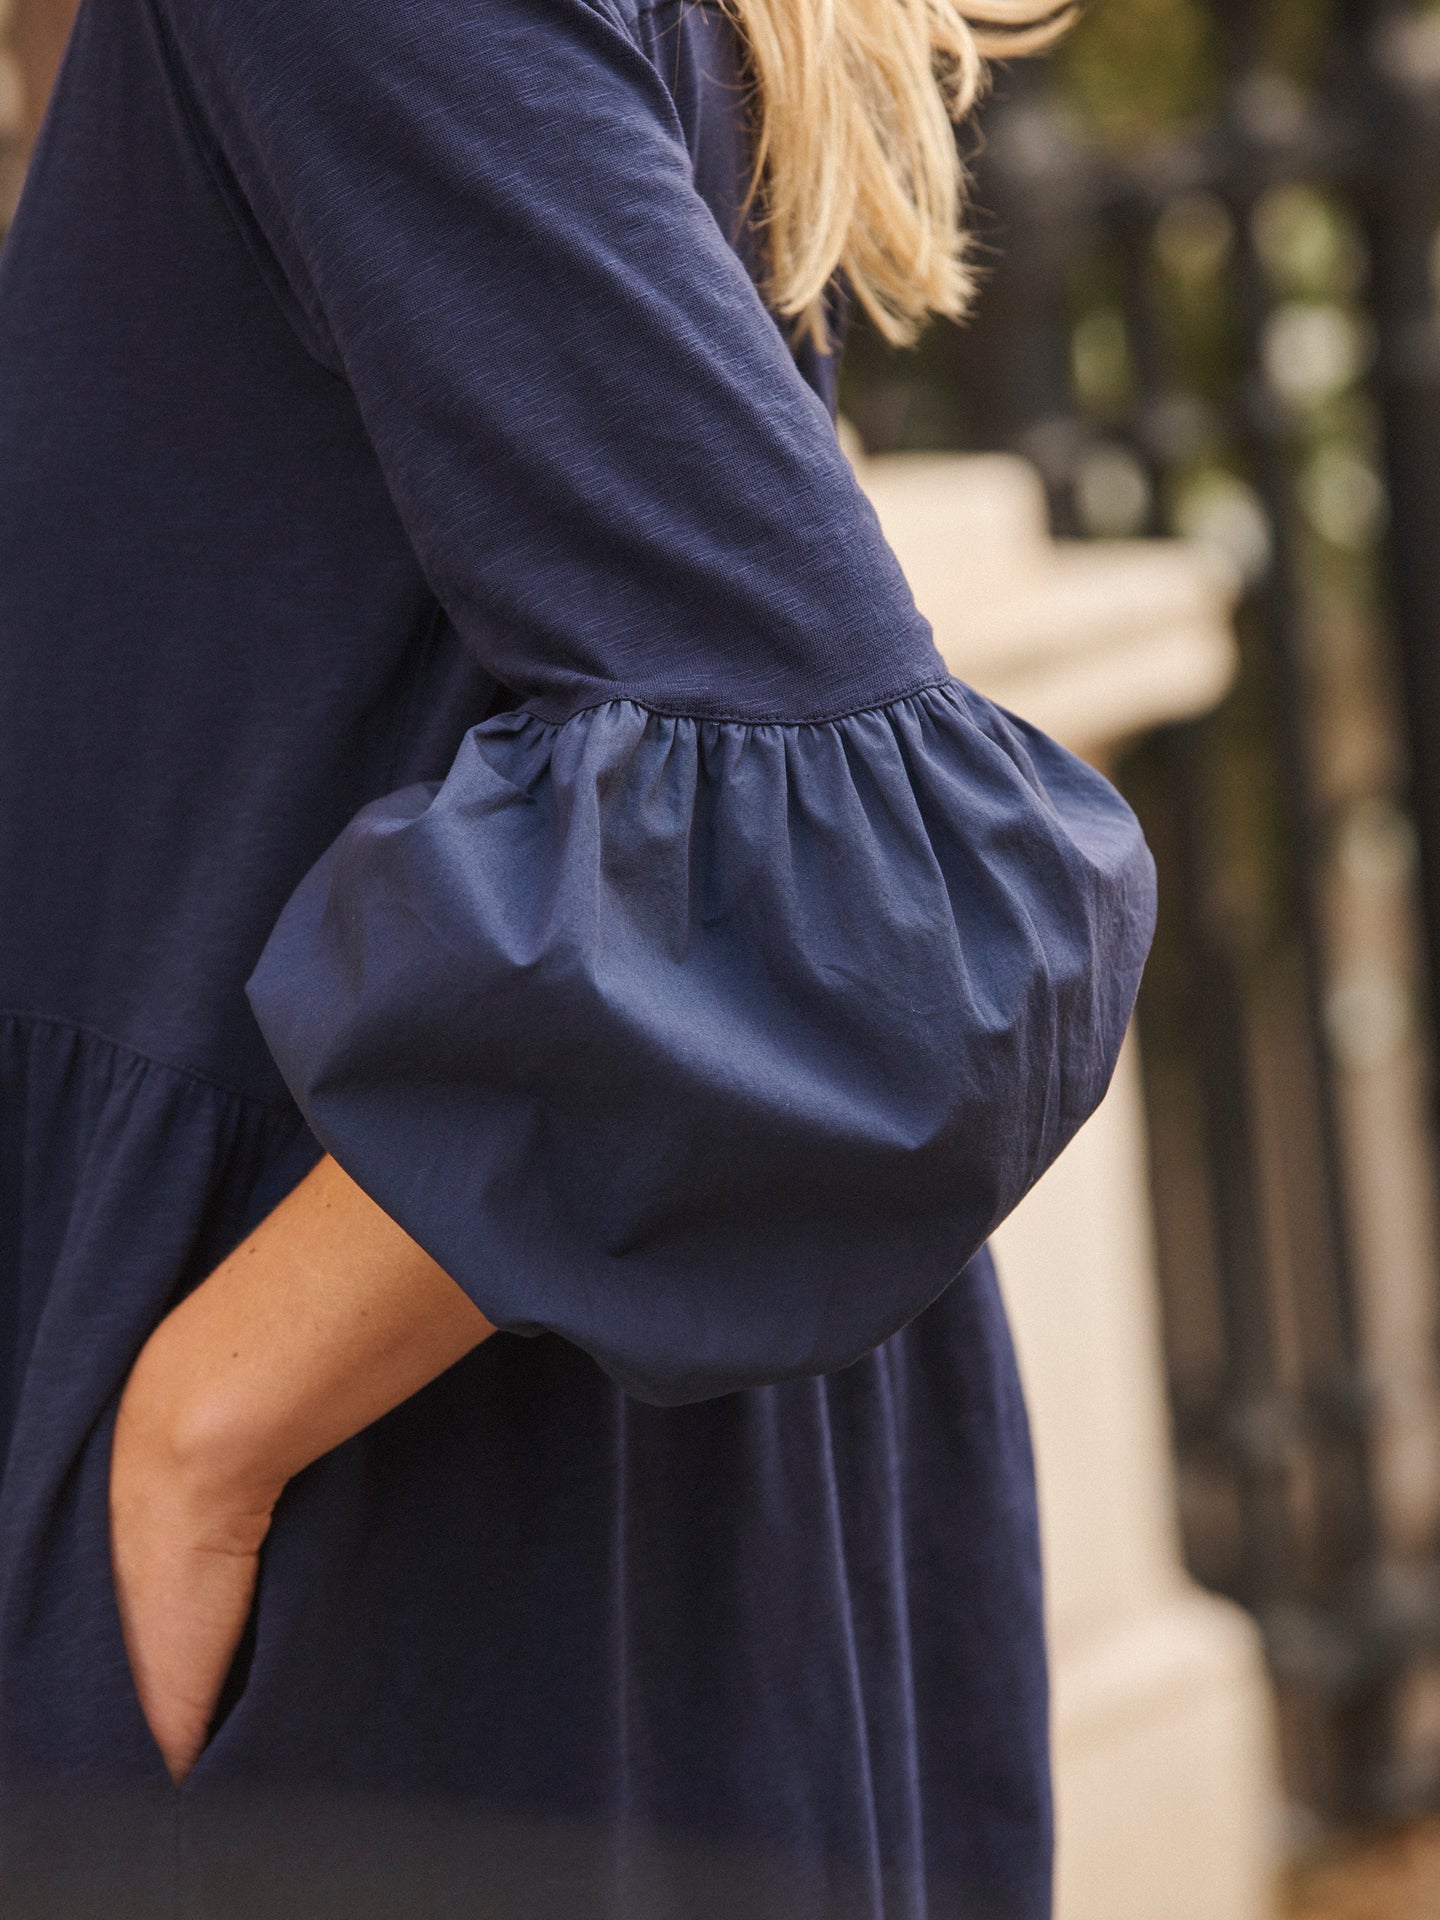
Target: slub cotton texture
458, 711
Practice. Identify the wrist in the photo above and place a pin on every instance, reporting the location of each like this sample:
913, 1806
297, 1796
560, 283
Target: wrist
325, 1318
180, 1427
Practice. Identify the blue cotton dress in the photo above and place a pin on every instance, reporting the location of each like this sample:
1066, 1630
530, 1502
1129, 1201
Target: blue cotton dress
458, 710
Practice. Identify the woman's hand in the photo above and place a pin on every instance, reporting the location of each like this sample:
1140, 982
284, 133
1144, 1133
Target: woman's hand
185, 1556
328, 1316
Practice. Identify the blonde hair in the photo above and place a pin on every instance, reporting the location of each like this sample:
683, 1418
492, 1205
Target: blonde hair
856, 165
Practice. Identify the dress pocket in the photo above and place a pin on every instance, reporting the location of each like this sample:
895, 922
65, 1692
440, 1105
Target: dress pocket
112, 1624
87, 1806
71, 1708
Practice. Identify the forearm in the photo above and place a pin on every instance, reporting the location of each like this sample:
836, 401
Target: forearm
325, 1318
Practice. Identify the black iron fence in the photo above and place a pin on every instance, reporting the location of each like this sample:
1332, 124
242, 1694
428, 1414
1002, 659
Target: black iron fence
1213, 310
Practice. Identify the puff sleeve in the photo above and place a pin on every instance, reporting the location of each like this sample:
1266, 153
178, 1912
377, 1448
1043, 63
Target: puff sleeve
733, 986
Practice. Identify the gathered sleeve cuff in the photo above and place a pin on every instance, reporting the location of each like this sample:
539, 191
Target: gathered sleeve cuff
716, 1047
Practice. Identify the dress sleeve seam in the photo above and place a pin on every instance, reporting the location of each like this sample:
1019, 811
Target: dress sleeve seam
828, 716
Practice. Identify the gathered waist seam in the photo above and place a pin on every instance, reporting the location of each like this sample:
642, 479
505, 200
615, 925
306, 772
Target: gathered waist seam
270, 1109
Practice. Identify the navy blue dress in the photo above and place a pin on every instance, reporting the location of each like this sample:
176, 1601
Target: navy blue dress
458, 710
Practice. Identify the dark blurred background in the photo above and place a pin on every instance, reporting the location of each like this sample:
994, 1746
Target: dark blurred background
1213, 229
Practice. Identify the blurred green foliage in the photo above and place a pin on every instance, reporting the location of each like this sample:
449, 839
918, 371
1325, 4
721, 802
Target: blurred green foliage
1134, 67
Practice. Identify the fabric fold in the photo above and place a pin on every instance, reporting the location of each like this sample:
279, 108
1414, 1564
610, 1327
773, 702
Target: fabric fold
715, 1047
